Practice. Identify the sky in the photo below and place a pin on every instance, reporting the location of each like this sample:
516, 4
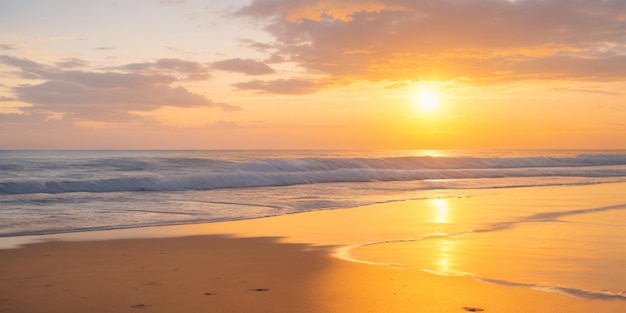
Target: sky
313, 74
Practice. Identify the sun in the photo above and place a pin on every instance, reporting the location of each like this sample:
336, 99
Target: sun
427, 100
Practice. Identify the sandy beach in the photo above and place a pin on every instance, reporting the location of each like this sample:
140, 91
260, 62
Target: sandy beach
327, 156
290, 263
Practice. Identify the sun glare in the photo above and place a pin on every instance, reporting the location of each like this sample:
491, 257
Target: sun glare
427, 100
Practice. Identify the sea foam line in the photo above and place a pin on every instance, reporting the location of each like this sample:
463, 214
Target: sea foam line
574, 292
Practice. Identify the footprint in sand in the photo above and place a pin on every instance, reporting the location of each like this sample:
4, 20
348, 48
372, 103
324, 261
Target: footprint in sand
470, 309
138, 306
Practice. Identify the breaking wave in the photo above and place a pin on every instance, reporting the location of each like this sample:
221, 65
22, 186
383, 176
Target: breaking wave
205, 174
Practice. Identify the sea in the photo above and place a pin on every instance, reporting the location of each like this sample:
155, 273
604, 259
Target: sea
44, 192
51, 192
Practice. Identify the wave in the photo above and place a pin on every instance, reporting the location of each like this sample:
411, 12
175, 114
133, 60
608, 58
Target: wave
203, 174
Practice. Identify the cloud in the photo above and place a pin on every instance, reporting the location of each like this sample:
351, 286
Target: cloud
294, 86
71, 63
4, 46
16, 118
260, 46
104, 48
245, 66
29, 69
398, 84
7, 99
109, 95
586, 90
475, 40
188, 69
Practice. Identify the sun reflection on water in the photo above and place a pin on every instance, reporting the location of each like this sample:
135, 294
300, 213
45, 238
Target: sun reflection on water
444, 262
442, 211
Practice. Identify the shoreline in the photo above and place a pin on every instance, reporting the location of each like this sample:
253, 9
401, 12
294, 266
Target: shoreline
288, 263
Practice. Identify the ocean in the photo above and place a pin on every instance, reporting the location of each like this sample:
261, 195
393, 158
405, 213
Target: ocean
43, 192
570, 242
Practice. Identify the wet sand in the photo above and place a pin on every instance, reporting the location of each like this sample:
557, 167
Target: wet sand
281, 264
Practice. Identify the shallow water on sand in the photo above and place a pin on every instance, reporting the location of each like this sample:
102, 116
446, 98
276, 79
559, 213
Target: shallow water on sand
570, 240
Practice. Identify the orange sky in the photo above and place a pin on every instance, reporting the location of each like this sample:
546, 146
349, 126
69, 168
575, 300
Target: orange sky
293, 74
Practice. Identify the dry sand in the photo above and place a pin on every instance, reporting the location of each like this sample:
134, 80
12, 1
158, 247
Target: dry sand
224, 273
220, 274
